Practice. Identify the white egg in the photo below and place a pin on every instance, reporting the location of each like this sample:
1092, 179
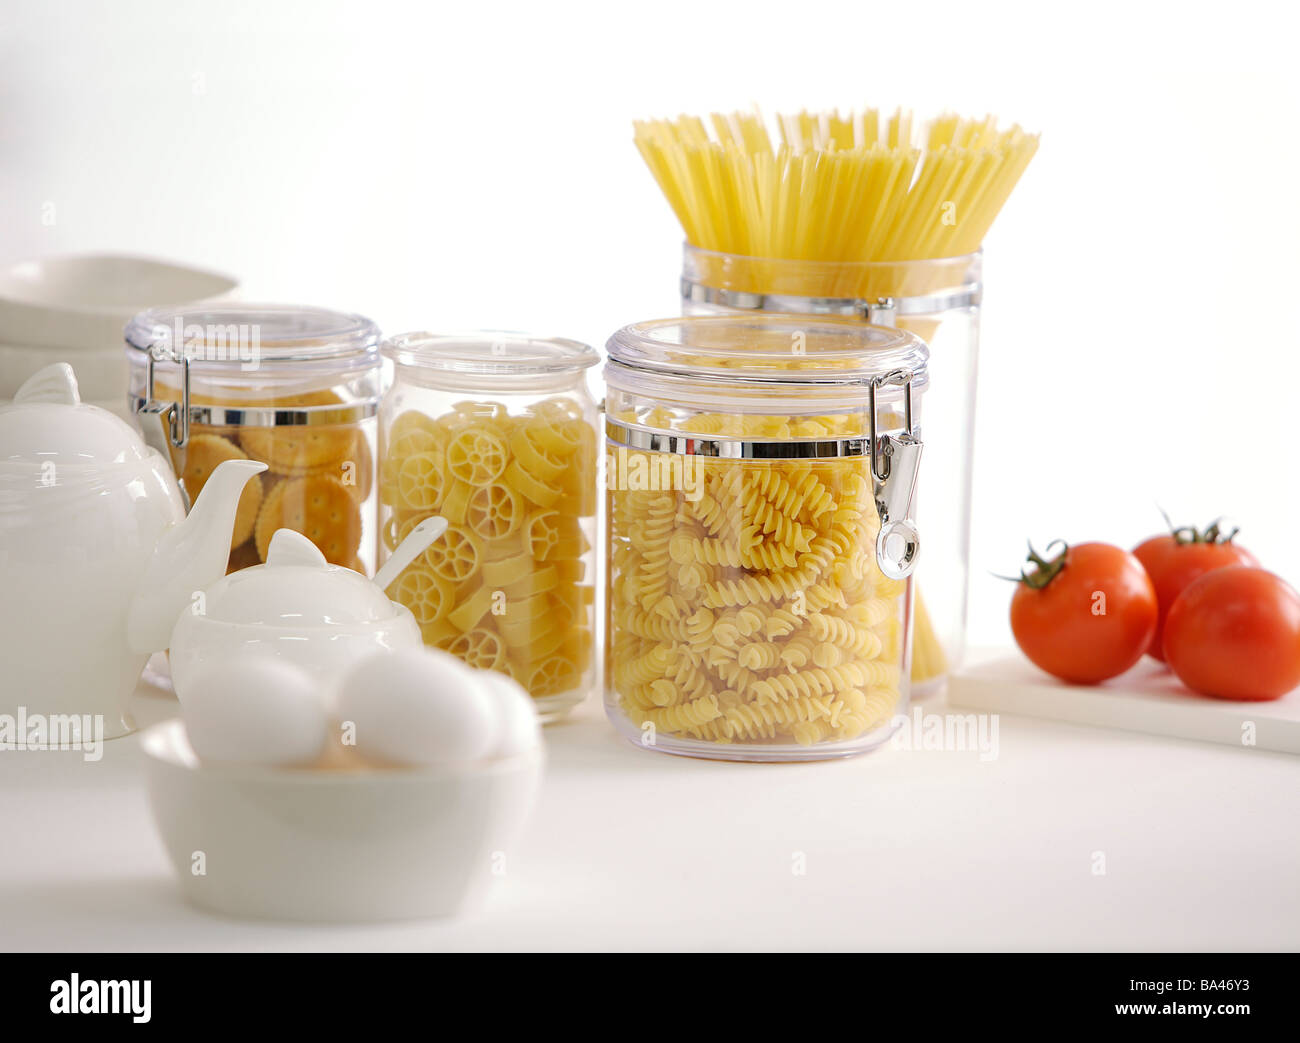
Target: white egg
417, 706
255, 711
518, 729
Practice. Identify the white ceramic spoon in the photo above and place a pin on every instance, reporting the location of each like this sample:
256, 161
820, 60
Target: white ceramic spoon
416, 543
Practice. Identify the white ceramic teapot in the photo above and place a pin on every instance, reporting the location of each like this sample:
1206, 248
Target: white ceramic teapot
97, 556
298, 608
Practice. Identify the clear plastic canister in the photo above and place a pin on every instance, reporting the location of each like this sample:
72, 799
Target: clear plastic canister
296, 388
496, 432
758, 604
939, 301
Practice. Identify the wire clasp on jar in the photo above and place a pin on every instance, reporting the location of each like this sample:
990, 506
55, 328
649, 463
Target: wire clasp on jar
166, 424
895, 463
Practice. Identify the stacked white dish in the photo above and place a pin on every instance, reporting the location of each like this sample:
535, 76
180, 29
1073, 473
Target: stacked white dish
72, 309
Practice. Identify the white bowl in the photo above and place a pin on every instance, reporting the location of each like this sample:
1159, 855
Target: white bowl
287, 844
82, 302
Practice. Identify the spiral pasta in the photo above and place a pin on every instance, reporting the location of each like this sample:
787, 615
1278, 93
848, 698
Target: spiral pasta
748, 609
508, 587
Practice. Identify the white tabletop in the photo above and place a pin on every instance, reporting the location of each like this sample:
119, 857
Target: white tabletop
629, 849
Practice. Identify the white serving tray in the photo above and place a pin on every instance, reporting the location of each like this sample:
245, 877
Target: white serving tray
1146, 699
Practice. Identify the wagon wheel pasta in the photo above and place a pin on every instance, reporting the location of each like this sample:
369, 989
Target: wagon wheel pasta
508, 586
426, 594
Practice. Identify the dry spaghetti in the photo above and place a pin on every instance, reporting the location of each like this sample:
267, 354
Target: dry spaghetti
851, 188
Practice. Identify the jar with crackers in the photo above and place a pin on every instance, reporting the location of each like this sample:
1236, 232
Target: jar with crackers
496, 432
296, 388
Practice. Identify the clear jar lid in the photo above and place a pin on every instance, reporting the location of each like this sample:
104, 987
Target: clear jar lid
219, 335
491, 352
774, 349
256, 365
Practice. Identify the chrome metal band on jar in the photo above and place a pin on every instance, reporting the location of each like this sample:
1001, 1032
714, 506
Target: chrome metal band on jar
657, 440
882, 311
266, 416
651, 440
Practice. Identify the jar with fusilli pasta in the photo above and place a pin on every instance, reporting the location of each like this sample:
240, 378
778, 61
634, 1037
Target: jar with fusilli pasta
760, 474
496, 433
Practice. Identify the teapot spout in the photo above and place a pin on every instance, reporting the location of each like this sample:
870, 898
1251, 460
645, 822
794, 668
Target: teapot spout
189, 556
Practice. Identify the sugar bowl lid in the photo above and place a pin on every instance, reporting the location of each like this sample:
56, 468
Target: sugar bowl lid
47, 423
297, 589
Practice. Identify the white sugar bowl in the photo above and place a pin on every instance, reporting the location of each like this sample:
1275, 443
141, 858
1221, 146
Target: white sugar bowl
255, 841
299, 609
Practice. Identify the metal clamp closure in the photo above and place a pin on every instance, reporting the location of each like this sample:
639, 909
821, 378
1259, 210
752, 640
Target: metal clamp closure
166, 425
176, 414
895, 462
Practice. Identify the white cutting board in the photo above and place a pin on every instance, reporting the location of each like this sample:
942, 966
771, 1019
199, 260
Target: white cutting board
1146, 699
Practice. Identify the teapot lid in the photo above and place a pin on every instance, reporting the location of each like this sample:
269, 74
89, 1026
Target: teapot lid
297, 588
48, 423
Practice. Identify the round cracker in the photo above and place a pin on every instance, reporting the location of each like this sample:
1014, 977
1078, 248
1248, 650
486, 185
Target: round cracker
250, 506
355, 469
318, 506
204, 453
299, 449
243, 556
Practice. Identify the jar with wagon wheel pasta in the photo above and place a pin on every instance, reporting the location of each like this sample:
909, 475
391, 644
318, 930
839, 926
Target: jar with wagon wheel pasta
760, 473
496, 432
296, 388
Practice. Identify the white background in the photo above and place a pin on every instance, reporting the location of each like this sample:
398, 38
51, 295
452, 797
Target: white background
454, 166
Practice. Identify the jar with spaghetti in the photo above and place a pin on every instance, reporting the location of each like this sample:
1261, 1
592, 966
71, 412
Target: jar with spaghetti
759, 475
296, 388
496, 433
939, 301
870, 215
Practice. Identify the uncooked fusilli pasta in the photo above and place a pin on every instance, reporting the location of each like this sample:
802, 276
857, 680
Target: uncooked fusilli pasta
749, 608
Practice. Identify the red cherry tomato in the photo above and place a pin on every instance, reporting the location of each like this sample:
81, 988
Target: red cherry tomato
1086, 615
1179, 557
1235, 634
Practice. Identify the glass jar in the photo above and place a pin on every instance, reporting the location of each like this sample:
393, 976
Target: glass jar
496, 433
296, 388
939, 301
759, 476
